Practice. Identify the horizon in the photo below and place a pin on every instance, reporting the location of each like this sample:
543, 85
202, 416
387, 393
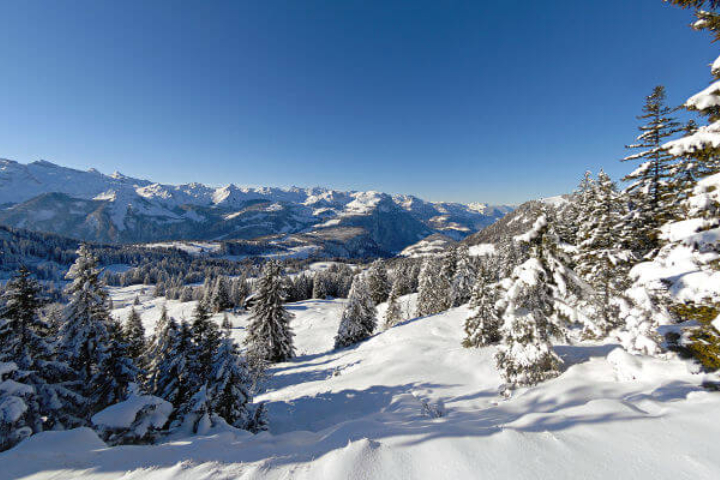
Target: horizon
409, 98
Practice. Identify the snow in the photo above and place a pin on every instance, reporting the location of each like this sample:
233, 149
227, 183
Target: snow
708, 98
193, 248
429, 246
412, 403
707, 135
123, 414
555, 201
482, 249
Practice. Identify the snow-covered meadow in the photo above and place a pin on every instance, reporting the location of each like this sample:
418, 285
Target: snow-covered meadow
412, 403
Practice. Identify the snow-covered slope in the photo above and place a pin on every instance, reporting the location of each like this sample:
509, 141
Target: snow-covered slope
411, 403
114, 208
429, 245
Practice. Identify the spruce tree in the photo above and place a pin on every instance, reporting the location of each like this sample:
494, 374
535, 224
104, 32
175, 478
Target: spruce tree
229, 385
206, 340
525, 356
433, 287
358, 320
393, 314
464, 278
85, 334
115, 373
220, 298
378, 283
134, 333
320, 290
23, 335
482, 326
649, 189
26, 342
270, 337
18, 417
601, 259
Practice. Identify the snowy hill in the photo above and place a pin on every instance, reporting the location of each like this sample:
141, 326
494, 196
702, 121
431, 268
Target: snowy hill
89, 205
412, 403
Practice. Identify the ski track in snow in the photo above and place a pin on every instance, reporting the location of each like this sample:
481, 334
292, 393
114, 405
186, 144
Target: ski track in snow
412, 403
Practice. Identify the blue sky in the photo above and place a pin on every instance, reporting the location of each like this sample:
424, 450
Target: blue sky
459, 101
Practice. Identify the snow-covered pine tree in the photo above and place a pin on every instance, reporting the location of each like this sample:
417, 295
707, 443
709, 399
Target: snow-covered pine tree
18, 418
115, 373
240, 291
26, 341
510, 255
229, 385
541, 298
22, 333
134, 333
699, 153
171, 375
85, 333
584, 198
320, 290
220, 297
378, 283
358, 320
601, 260
393, 314
525, 356
464, 279
433, 287
206, 340
649, 188
160, 350
482, 327
402, 279
270, 337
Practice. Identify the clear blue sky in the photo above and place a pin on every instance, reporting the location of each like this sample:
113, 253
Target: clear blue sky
494, 101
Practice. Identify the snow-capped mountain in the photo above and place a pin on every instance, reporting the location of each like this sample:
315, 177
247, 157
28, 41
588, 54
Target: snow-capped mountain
90, 205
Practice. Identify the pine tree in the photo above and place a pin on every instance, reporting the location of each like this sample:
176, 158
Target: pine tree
85, 334
206, 340
171, 374
464, 279
649, 187
319, 286
18, 418
134, 333
482, 327
525, 356
601, 260
220, 297
22, 333
229, 385
358, 320
115, 372
403, 279
270, 337
240, 291
26, 341
433, 287
378, 283
393, 314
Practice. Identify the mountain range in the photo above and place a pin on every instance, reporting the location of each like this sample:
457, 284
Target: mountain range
92, 206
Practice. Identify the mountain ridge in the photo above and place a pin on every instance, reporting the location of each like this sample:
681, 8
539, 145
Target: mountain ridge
116, 208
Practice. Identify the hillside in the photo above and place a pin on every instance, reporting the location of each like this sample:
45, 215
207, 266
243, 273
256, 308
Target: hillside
368, 412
